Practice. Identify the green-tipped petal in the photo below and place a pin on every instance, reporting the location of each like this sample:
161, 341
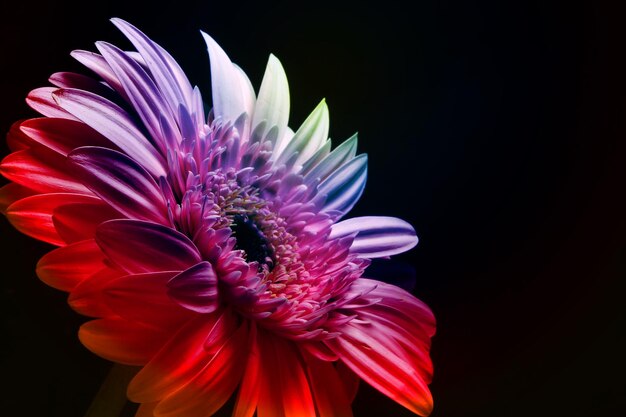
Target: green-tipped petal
339, 156
272, 104
309, 137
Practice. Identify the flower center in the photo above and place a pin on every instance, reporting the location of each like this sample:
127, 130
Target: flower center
251, 240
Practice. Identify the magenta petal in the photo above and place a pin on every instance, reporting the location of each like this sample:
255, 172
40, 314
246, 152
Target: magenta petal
114, 123
121, 182
40, 100
138, 246
195, 288
376, 236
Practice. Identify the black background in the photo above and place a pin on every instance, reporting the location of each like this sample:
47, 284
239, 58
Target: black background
496, 128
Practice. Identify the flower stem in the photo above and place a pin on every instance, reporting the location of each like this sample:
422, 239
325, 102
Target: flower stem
111, 398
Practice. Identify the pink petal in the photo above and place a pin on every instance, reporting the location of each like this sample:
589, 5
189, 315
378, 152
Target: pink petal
40, 100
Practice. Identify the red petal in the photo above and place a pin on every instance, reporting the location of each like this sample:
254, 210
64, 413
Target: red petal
63, 135
65, 267
182, 358
331, 398
213, 386
248, 395
284, 389
87, 298
33, 215
42, 170
143, 298
76, 222
12, 192
121, 341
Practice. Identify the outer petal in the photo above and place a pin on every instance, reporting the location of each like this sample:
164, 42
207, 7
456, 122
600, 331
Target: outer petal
121, 182
66, 267
143, 298
33, 215
388, 346
284, 390
195, 288
40, 100
41, 170
76, 222
114, 123
248, 396
121, 341
272, 105
315, 170
11, 193
329, 391
309, 137
229, 96
182, 358
137, 246
376, 236
213, 386
343, 188
62, 135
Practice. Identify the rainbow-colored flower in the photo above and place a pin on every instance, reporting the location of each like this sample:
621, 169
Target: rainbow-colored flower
211, 250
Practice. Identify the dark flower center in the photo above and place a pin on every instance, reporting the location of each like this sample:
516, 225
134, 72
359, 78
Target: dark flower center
251, 240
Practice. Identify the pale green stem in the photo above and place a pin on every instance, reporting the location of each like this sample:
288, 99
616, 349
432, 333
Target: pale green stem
111, 398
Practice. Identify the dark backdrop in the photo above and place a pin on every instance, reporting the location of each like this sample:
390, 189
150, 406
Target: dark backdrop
496, 128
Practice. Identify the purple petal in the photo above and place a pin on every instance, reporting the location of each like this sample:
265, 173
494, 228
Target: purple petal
114, 123
144, 95
195, 288
343, 187
121, 182
138, 246
376, 236
99, 65
168, 75
82, 82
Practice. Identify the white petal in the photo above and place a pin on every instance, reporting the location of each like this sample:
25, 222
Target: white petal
272, 105
309, 137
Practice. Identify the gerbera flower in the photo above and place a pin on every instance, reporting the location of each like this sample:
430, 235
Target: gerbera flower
210, 249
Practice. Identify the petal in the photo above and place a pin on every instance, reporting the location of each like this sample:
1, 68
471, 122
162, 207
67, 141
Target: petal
87, 297
121, 341
248, 395
309, 137
388, 346
169, 77
121, 182
11, 193
40, 100
138, 246
144, 95
182, 358
343, 188
114, 123
284, 389
16, 139
81, 82
62, 135
33, 215
143, 298
376, 236
229, 96
98, 65
208, 391
65, 267
338, 157
41, 170
195, 288
329, 391
272, 104
76, 222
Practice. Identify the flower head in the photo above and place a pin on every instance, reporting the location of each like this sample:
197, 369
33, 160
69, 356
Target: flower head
210, 249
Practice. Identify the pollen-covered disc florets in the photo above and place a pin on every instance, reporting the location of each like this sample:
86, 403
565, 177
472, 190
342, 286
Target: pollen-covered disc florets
210, 248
